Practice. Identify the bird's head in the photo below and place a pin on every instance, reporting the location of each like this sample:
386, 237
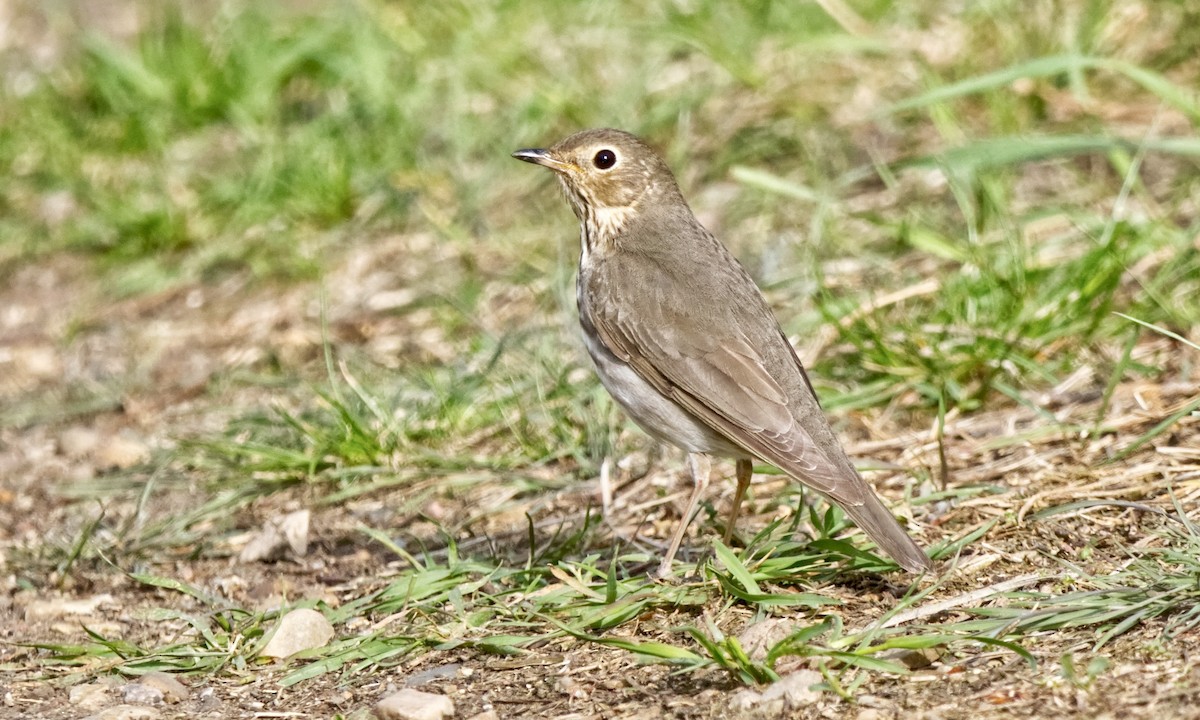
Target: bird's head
608, 176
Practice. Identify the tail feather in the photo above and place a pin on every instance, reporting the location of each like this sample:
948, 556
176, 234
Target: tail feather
878, 522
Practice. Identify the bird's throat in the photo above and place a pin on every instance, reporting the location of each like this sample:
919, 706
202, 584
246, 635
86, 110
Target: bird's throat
602, 223
601, 226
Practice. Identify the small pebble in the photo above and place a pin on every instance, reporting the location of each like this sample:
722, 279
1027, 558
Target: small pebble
172, 690
139, 694
57, 607
121, 453
301, 629
125, 712
790, 692
409, 704
89, 696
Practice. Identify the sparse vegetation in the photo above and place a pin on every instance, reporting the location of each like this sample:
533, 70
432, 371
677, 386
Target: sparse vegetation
282, 251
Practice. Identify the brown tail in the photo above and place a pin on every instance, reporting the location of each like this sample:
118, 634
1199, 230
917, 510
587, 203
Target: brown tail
877, 521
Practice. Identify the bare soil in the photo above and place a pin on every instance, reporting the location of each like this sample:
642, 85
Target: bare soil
92, 388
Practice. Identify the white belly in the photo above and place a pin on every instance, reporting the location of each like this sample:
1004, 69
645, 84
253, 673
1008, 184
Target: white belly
658, 416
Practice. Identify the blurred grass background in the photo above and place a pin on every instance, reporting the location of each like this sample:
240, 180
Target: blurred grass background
1026, 170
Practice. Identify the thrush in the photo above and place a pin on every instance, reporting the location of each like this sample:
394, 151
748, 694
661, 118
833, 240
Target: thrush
684, 341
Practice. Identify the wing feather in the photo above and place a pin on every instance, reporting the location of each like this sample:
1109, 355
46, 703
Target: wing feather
699, 356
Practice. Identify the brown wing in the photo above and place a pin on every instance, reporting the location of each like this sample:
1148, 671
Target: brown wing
723, 358
704, 337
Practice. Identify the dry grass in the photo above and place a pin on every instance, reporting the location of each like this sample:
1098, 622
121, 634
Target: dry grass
221, 308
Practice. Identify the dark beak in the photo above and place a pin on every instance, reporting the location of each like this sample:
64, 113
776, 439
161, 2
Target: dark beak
540, 156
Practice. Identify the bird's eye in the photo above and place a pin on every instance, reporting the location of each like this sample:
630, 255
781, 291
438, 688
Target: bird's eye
605, 159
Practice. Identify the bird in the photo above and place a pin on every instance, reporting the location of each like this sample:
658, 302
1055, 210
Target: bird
685, 342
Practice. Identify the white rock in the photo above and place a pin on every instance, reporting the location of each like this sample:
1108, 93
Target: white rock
409, 704
58, 607
89, 696
121, 452
125, 712
794, 688
300, 629
139, 694
790, 692
172, 690
744, 699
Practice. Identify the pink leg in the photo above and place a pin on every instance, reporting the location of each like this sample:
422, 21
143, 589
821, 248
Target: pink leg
701, 466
